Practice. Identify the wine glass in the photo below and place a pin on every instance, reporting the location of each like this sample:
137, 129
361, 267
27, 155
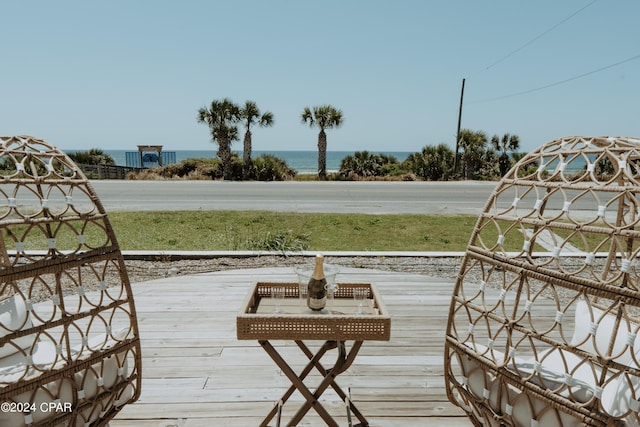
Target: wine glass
304, 274
277, 295
360, 295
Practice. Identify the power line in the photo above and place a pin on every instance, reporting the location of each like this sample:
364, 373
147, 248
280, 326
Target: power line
508, 55
633, 58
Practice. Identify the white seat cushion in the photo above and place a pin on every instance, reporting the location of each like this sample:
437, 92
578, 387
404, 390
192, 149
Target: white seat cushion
14, 317
586, 320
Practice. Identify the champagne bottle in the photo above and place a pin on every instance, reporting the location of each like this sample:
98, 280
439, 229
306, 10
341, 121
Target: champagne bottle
317, 295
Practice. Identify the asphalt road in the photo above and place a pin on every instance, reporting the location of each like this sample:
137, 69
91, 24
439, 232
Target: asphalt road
292, 196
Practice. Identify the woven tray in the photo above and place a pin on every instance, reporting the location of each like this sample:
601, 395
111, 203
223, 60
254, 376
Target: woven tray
257, 320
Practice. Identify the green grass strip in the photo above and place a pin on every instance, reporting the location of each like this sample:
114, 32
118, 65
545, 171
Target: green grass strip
261, 230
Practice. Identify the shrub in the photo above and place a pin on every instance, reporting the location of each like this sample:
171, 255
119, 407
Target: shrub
433, 163
490, 166
364, 164
268, 167
199, 168
280, 241
94, 156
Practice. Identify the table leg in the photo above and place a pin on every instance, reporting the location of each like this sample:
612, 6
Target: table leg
348, 360
297, 382
313, 361
343, 362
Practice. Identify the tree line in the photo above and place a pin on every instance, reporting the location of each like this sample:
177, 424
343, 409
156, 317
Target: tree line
481, 158
478, 158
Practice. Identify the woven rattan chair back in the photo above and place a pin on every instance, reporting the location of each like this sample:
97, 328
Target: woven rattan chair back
544, 319
69, 344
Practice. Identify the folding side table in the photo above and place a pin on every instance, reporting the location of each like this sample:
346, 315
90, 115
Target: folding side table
335, 326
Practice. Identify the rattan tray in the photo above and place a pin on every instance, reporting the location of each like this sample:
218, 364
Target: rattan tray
257, 320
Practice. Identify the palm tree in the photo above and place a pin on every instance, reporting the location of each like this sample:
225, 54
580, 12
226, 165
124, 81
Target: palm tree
508, 142
250, 115
325, 117
221, 117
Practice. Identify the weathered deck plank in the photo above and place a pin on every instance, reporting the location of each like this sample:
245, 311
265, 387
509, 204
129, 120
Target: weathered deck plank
196, 373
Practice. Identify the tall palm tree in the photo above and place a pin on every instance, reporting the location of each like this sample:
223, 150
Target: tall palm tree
250, 115
507, 143
324, 117
222, 117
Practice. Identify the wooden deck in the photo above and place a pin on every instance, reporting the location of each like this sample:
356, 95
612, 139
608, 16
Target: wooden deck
196, 373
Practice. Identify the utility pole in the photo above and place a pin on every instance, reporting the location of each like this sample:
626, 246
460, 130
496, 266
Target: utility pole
455, 159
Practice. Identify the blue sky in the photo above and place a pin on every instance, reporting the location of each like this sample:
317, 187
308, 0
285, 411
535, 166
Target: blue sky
115, 74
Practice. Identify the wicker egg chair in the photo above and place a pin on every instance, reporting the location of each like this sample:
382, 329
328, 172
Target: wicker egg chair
69, 344
544, 322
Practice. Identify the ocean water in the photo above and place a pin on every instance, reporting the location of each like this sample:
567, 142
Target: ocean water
301, 161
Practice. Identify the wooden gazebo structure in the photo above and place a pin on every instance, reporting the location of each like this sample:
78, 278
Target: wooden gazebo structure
507, 362
157, 149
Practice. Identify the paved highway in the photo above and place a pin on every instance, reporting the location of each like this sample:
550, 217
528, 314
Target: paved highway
292, 196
